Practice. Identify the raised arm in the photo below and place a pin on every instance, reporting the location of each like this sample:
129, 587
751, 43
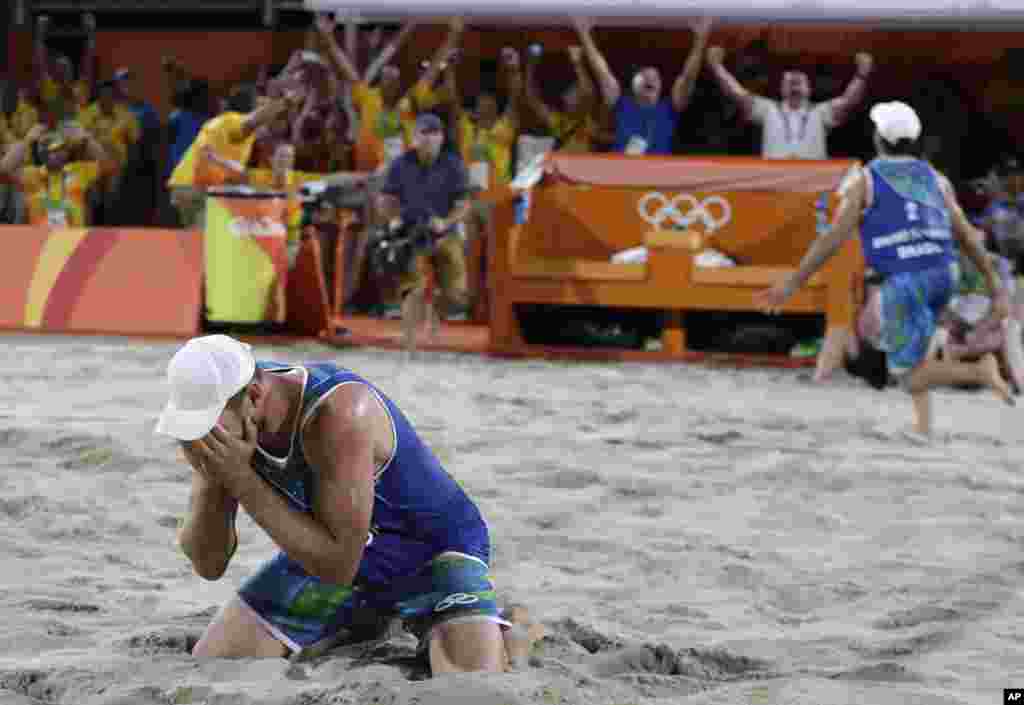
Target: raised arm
456, 27
584, 86
337, 58
269, 112
682, 89
351, 36
610, 88
40, 54
388, 52
531, 97
728, 83
451, 86
513, 85
87, 73
845, 104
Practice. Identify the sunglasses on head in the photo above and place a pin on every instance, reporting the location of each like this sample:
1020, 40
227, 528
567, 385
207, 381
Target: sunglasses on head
430, 131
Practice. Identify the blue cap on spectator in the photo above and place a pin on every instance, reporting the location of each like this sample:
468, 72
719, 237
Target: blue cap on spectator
122, 73
428, 122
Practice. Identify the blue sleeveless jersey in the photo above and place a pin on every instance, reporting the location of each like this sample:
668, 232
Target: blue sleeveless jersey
907, 228
416, 501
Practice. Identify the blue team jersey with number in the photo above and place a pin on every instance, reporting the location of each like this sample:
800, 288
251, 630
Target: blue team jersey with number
907, 227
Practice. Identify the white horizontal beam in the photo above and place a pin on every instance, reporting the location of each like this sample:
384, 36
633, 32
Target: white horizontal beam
969, 14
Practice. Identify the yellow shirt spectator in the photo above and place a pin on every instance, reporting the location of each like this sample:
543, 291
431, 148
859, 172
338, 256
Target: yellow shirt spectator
225, 135
264, 178
24, 118
115, 132
575, 133
58, 199
384, 134
492, 146
54, 99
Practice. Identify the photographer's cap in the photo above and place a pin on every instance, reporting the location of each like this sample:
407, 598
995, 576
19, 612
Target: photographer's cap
896, 121
203, 376
429, 122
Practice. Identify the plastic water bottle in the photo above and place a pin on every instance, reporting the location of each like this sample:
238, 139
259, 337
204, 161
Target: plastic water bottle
822, 225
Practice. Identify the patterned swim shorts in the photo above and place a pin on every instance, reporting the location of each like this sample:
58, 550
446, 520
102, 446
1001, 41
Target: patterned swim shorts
301, 611
909, 306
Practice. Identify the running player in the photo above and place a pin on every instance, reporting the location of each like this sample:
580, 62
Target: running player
910, 226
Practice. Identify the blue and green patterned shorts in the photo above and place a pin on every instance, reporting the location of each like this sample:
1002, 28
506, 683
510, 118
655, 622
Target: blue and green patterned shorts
910, 305
301, 610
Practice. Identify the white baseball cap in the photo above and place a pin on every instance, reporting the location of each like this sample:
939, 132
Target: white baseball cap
203, 375
896, 121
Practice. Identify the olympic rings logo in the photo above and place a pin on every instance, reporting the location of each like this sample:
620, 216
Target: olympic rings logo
714, 212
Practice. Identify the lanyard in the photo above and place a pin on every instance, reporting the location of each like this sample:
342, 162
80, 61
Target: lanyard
805, 115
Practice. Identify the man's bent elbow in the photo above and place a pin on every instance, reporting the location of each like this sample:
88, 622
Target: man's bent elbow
206, 568
211, 571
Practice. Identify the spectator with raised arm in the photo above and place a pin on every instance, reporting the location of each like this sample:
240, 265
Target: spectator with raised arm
227, 138
486, 137
62, 96
645, 122
56, 193
572, 125
386, 114
793, 127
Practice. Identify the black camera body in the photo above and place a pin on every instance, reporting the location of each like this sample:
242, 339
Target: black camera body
392, 252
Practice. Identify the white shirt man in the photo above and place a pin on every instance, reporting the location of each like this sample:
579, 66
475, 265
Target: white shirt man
793, 127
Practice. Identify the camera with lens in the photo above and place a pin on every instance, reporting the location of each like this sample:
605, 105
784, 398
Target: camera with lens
393, 250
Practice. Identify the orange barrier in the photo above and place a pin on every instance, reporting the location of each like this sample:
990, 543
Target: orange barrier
132, 281
760, 213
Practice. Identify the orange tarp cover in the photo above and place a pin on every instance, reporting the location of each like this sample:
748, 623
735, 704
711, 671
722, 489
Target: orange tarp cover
756, 211
704, 174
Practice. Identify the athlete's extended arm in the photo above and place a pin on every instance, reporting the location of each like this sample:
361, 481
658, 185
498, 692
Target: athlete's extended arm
844, 226
970, 239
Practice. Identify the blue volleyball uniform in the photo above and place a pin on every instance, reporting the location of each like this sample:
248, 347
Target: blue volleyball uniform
907, 238
426, 557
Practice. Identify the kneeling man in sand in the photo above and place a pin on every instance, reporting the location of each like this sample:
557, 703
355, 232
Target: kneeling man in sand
369, 523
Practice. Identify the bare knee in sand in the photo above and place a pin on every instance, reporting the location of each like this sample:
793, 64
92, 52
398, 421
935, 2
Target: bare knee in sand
236, 633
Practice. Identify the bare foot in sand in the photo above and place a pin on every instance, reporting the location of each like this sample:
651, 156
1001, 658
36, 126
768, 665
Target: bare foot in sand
520, 638
993, 378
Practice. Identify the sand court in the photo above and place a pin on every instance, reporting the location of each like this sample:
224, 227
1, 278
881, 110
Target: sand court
687, 534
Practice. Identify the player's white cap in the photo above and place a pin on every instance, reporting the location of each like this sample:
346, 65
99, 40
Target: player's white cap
203, 376
896, 121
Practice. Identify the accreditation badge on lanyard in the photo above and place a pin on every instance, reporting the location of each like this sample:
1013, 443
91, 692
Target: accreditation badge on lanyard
56, 206
795, 138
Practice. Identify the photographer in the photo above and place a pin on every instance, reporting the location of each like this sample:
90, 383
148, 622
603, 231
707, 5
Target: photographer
425, 186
